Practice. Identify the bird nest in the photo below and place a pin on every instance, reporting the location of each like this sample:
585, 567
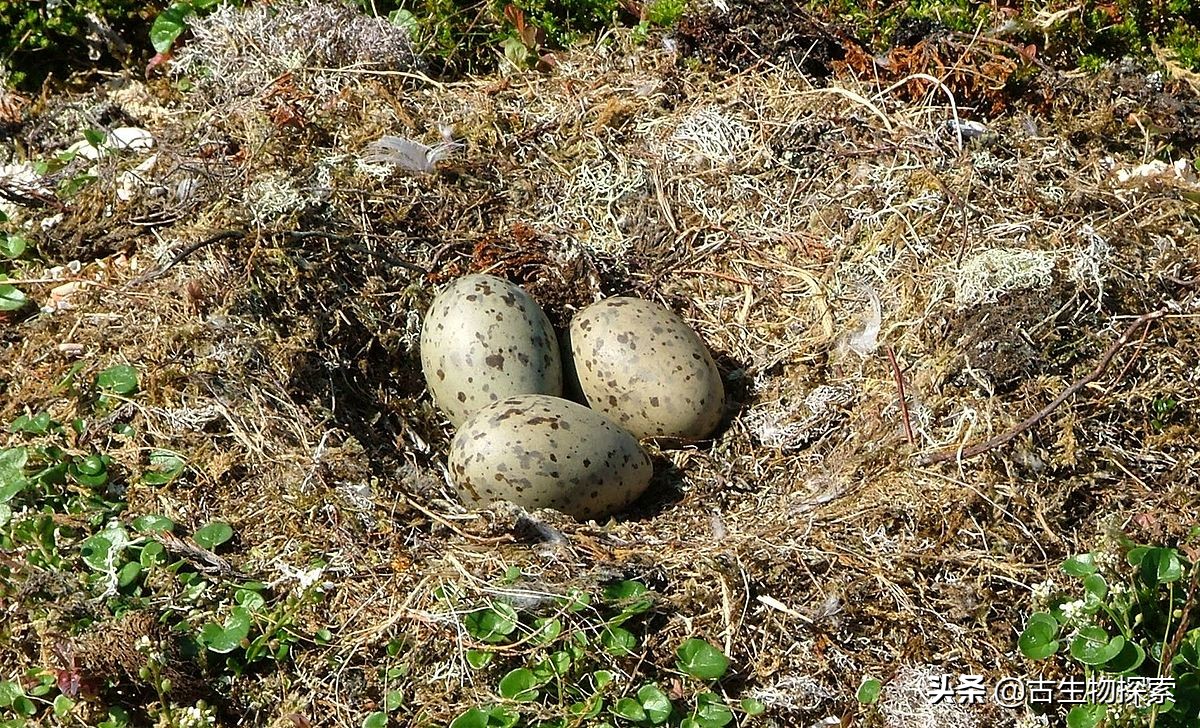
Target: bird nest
884, 284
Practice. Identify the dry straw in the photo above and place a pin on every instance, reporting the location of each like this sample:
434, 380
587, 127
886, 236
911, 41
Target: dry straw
805, 539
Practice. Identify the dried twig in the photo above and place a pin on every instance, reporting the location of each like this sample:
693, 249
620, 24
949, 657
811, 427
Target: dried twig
908, 430
1184, 620
1006, 437
203, 559
183, 254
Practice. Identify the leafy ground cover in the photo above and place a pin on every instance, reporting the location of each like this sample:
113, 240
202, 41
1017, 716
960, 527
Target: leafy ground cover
906, 232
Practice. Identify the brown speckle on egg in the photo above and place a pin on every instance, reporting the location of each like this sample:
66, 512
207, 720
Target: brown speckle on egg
473, 353
540, 451
629, 353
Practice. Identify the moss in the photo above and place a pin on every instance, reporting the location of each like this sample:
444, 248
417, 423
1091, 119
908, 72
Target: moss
664, 13
564, 21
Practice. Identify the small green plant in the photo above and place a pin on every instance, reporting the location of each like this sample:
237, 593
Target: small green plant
1127, 613
868, 691
1163, 409
573, 654
173, 22
664, 13
40, 37
12, 247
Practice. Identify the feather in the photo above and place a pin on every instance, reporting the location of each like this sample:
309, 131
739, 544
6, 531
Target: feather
408, 154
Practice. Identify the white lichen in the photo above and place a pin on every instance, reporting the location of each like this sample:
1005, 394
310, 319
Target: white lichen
988, 275
319, 46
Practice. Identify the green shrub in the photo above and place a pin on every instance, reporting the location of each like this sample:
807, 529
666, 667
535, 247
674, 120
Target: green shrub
38, 38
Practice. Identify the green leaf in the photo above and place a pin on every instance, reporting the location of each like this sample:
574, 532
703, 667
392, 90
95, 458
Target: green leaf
1096, 587
1080, 566
492, 624
72, 186
1038, 641
63, 706
558, 663
39, 424
121, 379
393, 700
480, 659
618, 641
11, 297
1086, 716
9, 691
752, 707
629, 709
545, 631
12, 246
500, 716
600, 678
24, 706
590, 708
166, 467
655, 702
128, 574
520, 685
1189, 650
868, 692
1127, 660
227, 637
12, 472
515, 51
378, 719
90, 470
150, 523
95, 137
96, 551
575, 600
405, 19
701, 660
249, 599
711, 711
5, 514
1092, 646
212, 535
151, 554
629, 595
169, 25
473, 718
1160, 566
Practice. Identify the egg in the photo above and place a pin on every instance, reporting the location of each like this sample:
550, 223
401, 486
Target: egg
640, 364
546, 452
485, 339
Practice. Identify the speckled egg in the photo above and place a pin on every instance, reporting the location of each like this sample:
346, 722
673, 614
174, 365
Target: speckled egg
485, 339
640, 364
545, 452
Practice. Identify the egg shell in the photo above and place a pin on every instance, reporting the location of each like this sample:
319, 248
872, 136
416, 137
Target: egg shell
546, 452
642, 365
485, 339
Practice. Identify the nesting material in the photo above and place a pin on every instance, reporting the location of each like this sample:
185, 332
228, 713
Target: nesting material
282, 366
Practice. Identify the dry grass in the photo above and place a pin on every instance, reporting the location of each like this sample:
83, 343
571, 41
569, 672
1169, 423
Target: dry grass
802, 230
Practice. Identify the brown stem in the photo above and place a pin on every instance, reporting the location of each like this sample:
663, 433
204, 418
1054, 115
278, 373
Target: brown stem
908, 430
1006, 437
